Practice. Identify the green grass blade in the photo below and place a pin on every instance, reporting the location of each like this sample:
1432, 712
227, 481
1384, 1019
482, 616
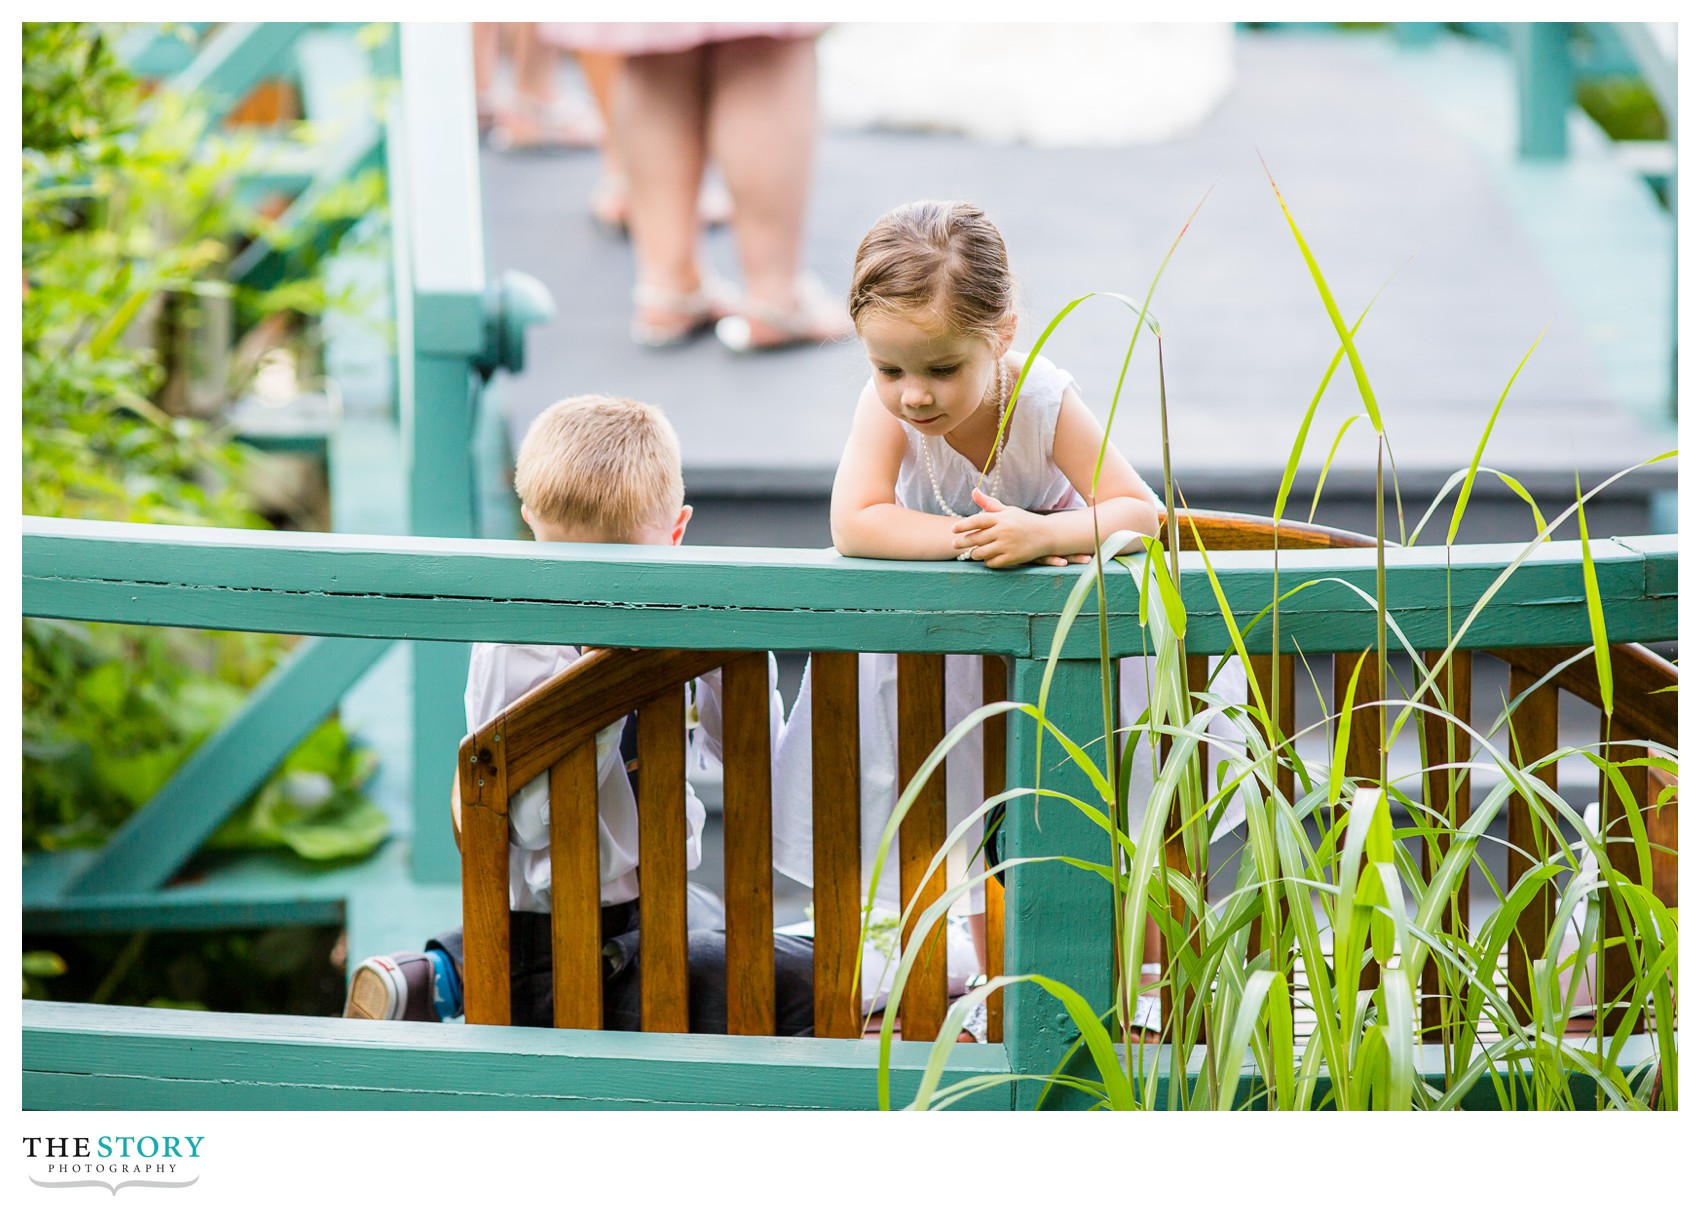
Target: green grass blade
1322, 476
1292, 468
1487, 432
1510, 481
1517, 562
1232, 1054
1343, 729
1400, 1004
1364, 389
1596, 613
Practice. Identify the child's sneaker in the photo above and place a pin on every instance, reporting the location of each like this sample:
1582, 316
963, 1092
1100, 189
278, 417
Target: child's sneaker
412, 985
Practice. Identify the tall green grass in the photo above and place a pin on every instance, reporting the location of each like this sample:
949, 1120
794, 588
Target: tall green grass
1330, 912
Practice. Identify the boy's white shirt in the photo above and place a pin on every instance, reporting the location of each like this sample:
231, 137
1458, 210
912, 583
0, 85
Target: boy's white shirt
497, 675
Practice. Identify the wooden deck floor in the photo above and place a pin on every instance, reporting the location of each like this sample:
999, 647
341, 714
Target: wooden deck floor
1396, 164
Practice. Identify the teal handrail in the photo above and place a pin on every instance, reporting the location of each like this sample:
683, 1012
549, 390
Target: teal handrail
456, 590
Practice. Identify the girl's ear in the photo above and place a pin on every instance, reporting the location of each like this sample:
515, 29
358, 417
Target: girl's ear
1006, 334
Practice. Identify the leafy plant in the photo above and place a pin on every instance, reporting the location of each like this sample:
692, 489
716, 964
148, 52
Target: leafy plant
1336, 907
131, 217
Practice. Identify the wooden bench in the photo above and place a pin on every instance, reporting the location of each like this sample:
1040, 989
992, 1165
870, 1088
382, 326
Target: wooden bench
554, 728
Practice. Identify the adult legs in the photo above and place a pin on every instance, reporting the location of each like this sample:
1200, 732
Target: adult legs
761, 127
659, 117
608, 200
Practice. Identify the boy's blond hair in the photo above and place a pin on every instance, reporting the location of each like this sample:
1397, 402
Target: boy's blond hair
603, 462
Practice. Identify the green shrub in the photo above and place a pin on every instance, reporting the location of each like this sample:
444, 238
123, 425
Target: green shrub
131, 217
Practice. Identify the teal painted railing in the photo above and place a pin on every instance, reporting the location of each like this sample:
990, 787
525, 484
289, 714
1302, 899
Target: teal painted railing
365, 588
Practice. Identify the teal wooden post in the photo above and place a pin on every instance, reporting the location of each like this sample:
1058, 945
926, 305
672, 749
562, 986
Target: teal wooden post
439, 231
1545, 88
159, 49
233, 60
1416, 33
1058, 919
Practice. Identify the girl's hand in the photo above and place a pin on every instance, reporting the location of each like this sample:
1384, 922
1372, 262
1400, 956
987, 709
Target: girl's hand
1002, 536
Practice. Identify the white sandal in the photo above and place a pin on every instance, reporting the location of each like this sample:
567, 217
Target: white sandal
699, 312
815, 319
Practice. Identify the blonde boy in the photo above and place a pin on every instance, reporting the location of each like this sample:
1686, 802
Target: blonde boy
592, 469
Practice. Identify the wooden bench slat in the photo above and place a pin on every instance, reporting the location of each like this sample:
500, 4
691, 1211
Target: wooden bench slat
664, 971
837, 746
1447, 792
484, 881
1617, 971
994, 688
1643, 694
1282, 702
1363, 738
1198, 680
1363, 744
1534, 733
920, 727
607, 684
575, 887
747, 746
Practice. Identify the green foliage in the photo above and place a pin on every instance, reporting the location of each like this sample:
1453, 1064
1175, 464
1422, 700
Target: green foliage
1624, 108
117, 218
131, 217
39, 968
110, 712
313, 805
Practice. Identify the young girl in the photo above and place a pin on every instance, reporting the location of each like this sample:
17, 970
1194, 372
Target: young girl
934, 303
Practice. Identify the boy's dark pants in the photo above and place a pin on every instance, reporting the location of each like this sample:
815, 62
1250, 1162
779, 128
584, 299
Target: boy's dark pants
531, 985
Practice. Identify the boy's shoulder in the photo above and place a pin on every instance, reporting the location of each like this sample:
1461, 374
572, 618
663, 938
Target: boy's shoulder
497, 674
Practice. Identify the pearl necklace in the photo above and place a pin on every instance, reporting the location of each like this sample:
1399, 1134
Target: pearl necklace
997, 465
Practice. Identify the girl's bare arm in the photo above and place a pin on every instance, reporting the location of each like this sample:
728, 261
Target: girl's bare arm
866, 518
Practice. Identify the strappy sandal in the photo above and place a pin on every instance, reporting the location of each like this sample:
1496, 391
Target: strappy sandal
696, 313
815, 319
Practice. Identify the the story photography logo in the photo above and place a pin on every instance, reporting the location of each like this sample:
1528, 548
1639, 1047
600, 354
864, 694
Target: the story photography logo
113, 1161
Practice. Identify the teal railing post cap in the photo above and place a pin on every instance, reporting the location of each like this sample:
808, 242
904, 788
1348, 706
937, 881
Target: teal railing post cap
512, 303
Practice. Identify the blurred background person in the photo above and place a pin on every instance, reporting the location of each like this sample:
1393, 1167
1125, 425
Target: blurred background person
745, 95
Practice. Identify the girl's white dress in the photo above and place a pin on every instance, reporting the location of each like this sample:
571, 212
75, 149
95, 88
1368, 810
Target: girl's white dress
1030, 479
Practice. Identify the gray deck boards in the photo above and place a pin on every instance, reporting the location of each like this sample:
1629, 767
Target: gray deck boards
1377, 154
